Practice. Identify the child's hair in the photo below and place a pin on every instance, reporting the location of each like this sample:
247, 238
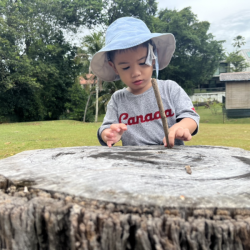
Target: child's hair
112, 53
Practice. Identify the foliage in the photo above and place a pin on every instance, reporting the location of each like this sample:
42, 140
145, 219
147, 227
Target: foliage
142, 9
93, 42
77, 102
38, 66
27, 107
237, 62
108, 89
35, 55
238, 41
214, 106
197, 53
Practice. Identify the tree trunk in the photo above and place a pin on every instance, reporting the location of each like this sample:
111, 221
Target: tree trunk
100, 85
126, 198
86, 107
96, 99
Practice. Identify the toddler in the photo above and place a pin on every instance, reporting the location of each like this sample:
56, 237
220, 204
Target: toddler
131, 53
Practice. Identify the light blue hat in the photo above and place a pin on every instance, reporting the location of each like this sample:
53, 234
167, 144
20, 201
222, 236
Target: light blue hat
127, 32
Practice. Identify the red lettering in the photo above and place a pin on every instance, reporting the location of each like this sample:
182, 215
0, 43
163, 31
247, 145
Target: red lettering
137, 120
149, 117
157, 115
140, 117
121, 117
131, 121
168, 113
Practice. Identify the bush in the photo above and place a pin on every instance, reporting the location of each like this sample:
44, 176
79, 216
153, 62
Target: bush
21, 104
214, 106
76, 105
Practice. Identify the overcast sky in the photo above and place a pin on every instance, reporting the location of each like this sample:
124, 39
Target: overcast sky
228, 19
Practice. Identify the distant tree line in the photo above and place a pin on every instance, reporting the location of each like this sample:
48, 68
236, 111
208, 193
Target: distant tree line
39, 68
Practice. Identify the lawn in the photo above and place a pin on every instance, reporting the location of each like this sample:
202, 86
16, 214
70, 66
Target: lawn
18, 137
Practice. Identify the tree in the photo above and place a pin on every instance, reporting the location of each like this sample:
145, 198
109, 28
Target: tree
77, 103
143, 9
238, 41
93, 43
237, 63
34, 53
197, 54
108, 89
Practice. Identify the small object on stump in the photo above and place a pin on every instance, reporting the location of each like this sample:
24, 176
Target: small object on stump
161, 109
188, 169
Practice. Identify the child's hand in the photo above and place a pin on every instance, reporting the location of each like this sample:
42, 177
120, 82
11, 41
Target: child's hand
182, 130
177, 133
113, 134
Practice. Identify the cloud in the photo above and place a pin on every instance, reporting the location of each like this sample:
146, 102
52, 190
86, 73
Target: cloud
231, 26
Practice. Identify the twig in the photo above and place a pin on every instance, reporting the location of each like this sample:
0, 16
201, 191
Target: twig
161, 109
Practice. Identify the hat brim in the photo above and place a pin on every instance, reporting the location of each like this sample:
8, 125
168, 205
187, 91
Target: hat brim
165, 44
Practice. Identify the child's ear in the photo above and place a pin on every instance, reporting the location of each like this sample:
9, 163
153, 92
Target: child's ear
113, 66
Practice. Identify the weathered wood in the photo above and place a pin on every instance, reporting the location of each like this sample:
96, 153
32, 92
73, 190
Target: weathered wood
125, 198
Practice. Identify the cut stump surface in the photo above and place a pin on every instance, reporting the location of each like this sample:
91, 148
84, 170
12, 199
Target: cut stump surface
126, 198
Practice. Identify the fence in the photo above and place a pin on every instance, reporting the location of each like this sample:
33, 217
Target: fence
209, 90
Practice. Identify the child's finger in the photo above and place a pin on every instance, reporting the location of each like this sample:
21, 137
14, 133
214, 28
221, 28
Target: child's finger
171, 138
183, 134
187, 136
109, 143
164, 142
115, 127
123, 126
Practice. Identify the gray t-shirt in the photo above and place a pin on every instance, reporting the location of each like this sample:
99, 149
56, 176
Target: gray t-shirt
141, 114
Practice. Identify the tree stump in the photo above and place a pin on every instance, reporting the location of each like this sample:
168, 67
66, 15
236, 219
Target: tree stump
188, 197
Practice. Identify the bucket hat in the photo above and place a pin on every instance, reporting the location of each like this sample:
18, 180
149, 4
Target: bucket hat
127, 32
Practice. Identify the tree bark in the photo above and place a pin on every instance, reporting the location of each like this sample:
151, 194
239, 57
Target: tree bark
47, 220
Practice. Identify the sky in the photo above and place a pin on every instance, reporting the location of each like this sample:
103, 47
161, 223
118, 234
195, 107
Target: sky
227, 19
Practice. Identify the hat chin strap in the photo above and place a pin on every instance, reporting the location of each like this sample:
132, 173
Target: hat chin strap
152, 55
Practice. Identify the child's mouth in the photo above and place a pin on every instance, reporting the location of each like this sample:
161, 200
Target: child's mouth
137, 82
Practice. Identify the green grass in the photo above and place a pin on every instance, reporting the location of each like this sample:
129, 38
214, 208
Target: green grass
215, 116
18, 137
230, 135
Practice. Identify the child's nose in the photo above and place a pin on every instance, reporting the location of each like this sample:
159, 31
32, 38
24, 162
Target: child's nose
135, 72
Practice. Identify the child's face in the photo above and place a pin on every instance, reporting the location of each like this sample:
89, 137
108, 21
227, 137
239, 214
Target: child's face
130, 66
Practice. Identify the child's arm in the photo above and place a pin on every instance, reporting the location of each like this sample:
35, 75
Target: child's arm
182, 130
113, 134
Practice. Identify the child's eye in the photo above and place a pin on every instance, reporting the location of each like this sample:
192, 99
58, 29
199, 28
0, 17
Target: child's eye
142, 63
125, 68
